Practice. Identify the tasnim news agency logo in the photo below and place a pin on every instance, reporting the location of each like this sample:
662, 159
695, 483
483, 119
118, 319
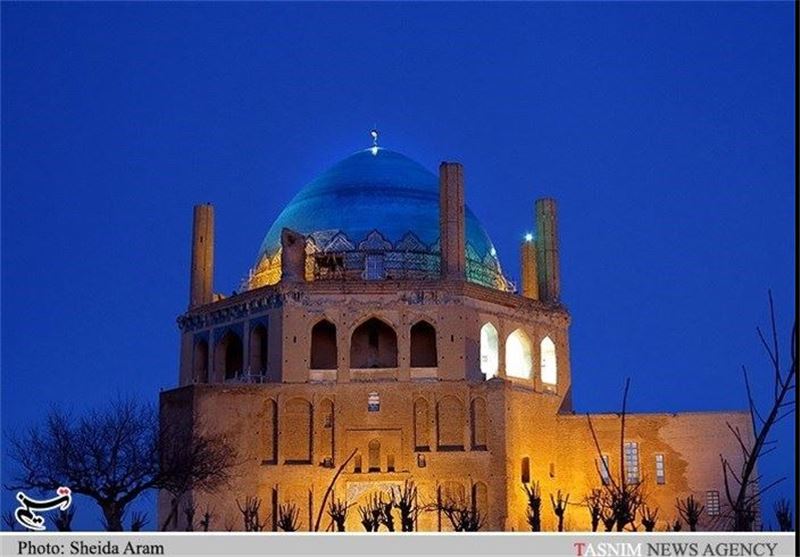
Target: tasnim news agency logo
26, 512
675, 549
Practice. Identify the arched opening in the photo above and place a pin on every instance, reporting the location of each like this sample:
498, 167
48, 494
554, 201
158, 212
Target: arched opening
229, 356
323, 346
478, 422
480, 499
259, 348
489, 351
200, 361
525, 475
296, 431
374, 457
373, 345
549, 367
519, 362
422, 426
423, 345
450, 422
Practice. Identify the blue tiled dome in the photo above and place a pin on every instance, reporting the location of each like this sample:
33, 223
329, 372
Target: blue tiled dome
375, 190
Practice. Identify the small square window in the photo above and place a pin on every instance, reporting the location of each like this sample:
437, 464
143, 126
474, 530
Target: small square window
374, 402
712, 503
660, 476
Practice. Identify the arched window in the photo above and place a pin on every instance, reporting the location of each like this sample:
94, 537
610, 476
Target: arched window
518, 355
373, 345
422, 426
549, 369
374, 456
478, 423
259, 349
271, 433
450, 424
229, 356
489, 350
423, 345
200, 361
296, 432
323, 346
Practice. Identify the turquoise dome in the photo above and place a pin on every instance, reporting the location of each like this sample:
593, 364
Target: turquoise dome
377, 190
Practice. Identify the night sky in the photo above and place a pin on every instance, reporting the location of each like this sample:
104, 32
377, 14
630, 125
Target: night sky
664, 131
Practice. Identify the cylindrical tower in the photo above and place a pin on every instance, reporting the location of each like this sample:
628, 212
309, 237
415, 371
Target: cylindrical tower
547, 250
201, 285
451, 220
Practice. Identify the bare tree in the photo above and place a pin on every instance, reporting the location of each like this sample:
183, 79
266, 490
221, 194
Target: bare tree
594, 502
741, 486
622, 497
648, 517
463, 515
110, 456
783, 514
114, 455
330, 489
690, 511
188, 513
189, 461
406, 501
534, 505
288, 517
559, 507
337, 510
371, 513
250, 514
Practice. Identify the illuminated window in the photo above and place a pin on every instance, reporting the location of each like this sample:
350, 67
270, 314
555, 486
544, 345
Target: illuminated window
605, 470
374, 402
518, 356
549, 369
489, 351
660, 478
712, 503
631, 462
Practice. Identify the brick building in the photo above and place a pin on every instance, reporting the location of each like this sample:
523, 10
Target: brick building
377, 320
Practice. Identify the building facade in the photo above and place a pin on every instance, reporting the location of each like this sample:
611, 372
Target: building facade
377, 326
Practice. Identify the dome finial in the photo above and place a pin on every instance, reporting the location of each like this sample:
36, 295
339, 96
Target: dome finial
374, 133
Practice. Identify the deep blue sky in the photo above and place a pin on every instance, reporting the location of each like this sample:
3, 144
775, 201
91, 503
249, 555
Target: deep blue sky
665, 132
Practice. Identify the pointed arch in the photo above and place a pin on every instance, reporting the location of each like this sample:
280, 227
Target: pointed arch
423, 345
519, 362
229, 356
422, 425
374, 456
450, 424
549, 365
259, 349
478, 429
490, 357
324, 351
296, 431
373, 345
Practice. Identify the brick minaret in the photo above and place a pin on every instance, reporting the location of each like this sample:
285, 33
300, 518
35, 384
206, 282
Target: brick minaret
547, 250
451, 220
201, 286
530, 280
